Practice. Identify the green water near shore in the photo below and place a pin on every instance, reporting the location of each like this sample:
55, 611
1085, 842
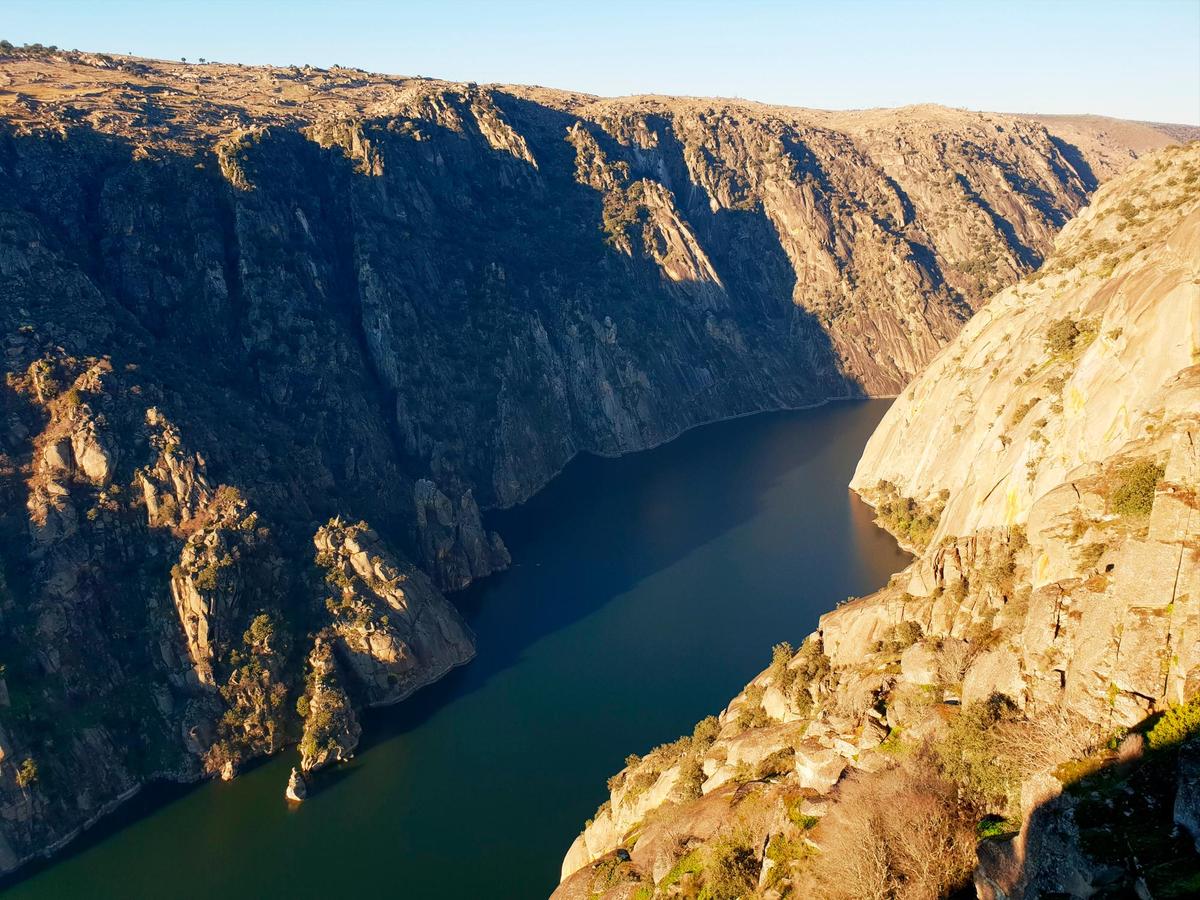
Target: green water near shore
645, 592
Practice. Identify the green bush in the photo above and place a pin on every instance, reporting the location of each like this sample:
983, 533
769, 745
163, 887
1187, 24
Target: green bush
996, 826
904, 517
732, 870
898, 638
691, 778
1175, 725
783, 850
1133, 497
782, 676
1066, 337
1000, 571
967, 756
794, 807
260, 632
780, 762
811, 668
691, 765
1061, 335
1023, 410
752, 714
705, 733
690, 863
226, 497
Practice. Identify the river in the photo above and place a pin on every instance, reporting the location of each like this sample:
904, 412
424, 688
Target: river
645, 592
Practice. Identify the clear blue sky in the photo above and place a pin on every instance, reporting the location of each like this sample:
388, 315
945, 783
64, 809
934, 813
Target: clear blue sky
1136, 59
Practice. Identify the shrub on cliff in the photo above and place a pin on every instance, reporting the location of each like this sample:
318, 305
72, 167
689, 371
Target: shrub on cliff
256, 718
968, 757
705, 733
331, 728
208, 578
898, 638
691, 765
732, 868
911, 522
751, 714
778, 763
782, 675
811, 668
1175, 725
691, 778
899, 833
261, 631
1060, 336
1066, 338
1133, 496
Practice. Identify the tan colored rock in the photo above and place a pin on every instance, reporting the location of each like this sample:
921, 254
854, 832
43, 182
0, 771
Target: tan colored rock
93, 459
59, 455
296, 790
393, 628
331, 728
995, 671
267, 260
818, 769
1037, 584
919, 664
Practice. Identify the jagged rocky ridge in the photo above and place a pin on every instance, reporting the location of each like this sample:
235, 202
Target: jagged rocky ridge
1045, 470
232, 327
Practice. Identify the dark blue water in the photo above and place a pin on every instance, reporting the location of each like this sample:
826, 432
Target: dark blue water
645, 592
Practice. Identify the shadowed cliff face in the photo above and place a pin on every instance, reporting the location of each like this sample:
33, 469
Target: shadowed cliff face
228, 321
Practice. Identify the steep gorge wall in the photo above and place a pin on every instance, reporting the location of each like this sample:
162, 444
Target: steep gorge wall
1045, 470
229, 323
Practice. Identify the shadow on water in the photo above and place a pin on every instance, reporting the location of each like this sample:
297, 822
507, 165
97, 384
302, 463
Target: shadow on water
674, 516
645, 592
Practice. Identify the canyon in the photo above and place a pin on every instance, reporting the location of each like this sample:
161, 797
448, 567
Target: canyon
275, 336
1022, 694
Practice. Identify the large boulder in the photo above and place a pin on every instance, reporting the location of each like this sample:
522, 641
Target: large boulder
919, 664
994, 671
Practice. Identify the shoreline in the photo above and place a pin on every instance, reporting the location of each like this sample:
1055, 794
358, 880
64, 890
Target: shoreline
30, 865
674, 437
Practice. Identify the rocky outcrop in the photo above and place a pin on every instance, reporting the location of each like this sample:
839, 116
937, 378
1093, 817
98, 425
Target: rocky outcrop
1108, 833
209, 581
331, 729
391, 626
296, 790
228, 321
455, 548
1045, 469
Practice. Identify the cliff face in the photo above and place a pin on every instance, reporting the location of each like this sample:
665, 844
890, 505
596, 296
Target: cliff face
1062, 397
241, 303
1044, 468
